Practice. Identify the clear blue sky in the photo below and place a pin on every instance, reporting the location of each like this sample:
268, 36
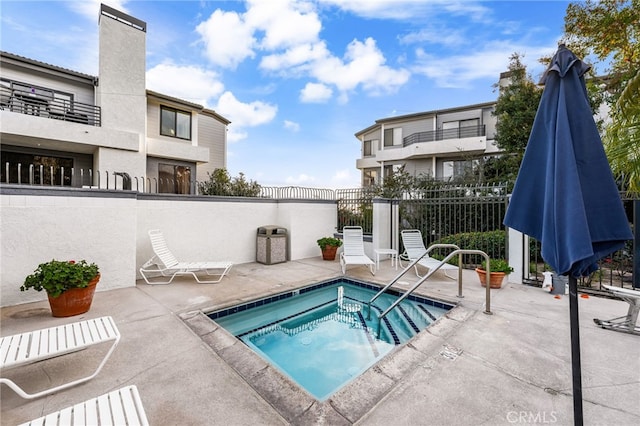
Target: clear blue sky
299, 78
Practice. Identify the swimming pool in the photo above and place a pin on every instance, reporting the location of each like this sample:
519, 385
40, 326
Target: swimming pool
321, 336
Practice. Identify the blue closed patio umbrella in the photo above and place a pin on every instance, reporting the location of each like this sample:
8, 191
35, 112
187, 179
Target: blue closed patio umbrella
565, 195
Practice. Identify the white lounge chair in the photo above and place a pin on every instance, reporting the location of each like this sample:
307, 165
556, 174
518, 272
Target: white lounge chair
165, 264
353, 249
26, 348
627, 323
120, 407
414, 248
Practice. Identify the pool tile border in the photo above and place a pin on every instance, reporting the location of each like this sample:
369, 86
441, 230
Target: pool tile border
288, 294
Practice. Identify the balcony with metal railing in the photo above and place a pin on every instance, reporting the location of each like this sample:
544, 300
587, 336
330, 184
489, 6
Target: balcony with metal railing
44, 103
442, 134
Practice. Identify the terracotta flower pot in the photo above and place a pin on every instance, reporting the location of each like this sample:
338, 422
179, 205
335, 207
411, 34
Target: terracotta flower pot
75, 301
329, 253
495, 280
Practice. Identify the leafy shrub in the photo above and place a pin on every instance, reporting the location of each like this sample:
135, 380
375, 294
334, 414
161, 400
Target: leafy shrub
220, 183
493, 243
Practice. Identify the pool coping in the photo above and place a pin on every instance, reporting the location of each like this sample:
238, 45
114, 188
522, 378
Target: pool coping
352, 401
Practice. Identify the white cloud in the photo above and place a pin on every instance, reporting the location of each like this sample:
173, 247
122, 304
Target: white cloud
315, 93
436, 35
292, 48
295, 59
460, 71
285, 23
364, 65
190, 83
409, 9
91, 8
291, 125
227, 38
244, 115
235, 134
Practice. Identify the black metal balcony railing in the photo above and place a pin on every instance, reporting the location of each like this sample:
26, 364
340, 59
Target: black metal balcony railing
25, 102
442, 134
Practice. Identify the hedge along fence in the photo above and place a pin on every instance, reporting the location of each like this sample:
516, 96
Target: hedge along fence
493, 243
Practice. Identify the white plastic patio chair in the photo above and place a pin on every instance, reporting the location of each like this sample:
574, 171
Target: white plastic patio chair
26, 348
121, 407
164, 264
353, 249
626, 323
414, 248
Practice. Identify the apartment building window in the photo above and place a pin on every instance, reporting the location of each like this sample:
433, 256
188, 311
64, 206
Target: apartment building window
456, 169
388, 137
369, 177
461, 129
474, 122
366, 148
174, 179
175, 123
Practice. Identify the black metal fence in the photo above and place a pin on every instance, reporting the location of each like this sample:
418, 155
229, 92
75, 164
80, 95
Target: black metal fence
45, 104
469, 216
441, 134
355, 208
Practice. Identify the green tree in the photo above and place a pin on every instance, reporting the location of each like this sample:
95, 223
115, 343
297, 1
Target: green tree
609, 30
398, 183
221, 183
622, 137
515, 110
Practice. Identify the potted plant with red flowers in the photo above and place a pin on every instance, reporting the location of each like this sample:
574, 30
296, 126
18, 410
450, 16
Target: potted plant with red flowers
70, 285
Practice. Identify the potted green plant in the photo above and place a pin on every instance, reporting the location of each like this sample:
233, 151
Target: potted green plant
498, 268
70, 285
329, 247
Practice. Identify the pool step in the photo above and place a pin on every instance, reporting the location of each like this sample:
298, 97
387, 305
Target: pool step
410, 319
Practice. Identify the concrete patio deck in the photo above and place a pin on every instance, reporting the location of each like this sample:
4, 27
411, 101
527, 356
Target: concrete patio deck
469, 368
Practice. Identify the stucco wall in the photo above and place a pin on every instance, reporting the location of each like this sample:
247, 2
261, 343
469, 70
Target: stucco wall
110, 228
35, 229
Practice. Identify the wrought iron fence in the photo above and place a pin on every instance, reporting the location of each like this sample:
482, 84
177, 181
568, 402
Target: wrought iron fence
297, 192
355, 208
469, 216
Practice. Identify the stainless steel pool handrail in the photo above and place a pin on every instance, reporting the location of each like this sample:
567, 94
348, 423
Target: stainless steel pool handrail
459, 253
411, 265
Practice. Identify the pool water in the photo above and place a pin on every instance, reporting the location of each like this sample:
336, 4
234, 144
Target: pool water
320, 336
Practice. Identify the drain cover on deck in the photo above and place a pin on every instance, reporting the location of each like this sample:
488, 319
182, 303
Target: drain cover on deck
450, 352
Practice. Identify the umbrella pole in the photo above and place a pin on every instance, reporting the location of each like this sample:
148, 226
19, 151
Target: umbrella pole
575, 351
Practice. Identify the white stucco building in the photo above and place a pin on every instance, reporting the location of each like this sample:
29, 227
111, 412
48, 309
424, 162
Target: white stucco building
63, 127
440, 144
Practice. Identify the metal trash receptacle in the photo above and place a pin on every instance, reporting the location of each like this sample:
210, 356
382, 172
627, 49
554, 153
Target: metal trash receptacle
271, 245
560, 284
